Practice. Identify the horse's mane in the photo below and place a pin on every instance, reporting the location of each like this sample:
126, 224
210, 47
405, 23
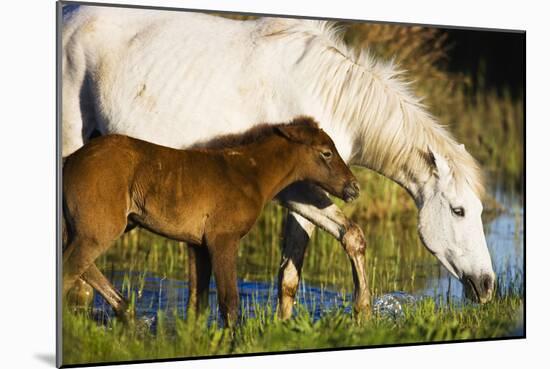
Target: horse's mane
254, 134
395, 126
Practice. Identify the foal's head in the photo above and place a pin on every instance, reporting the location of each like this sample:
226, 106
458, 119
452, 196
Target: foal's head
319, 161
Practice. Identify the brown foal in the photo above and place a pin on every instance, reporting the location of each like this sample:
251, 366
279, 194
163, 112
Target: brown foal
209, 198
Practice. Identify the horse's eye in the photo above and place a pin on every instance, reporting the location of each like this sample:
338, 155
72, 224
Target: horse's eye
458, 211
326, 154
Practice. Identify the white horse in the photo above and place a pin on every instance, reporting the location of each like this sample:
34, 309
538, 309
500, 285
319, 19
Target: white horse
178, 79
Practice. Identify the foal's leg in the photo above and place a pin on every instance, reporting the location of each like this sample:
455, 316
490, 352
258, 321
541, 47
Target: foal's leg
90, 241
130, 226
101, 284
78, 257
200, 269
223, 251
312, 203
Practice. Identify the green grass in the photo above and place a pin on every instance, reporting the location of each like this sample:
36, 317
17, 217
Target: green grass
86, 341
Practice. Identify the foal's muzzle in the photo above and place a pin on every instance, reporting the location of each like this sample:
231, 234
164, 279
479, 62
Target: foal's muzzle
351, 191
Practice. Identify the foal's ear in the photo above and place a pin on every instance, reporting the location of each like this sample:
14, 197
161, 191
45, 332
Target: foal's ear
283, 131
294, 133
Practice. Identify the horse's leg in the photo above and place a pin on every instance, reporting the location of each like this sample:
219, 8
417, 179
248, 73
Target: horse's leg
312, 203
297, 232
355, 246
78, 104
223, 251
200, 269
72, 122
101, 284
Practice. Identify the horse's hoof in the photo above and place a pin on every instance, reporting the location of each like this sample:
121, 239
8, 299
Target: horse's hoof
362, 312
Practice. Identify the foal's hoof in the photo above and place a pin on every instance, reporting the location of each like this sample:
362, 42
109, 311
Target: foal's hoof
80, 295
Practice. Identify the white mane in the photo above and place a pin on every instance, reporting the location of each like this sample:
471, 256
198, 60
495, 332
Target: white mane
393, 124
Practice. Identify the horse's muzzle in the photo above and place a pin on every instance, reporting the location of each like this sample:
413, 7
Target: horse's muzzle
351, 191
479, 288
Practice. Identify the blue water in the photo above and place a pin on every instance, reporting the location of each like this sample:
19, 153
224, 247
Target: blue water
172, 296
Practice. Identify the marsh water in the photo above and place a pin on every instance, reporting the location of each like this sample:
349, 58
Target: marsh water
400, 270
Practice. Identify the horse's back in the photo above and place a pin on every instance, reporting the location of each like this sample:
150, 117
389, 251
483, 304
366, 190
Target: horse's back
112, 25
156, 73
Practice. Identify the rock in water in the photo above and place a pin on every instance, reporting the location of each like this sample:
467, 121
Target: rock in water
391, 304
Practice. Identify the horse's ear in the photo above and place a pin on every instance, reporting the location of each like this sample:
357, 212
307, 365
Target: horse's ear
439, 164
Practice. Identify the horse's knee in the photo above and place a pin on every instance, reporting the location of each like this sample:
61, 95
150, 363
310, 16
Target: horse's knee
354, 240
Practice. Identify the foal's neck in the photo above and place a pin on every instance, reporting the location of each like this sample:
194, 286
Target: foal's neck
274, 162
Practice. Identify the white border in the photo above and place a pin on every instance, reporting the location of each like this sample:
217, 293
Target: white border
27, 181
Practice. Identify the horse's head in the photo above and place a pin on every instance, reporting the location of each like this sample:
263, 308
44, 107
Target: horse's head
319, 159
450, 227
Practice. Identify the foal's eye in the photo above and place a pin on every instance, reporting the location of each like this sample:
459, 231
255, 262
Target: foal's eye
326, 154
458, 211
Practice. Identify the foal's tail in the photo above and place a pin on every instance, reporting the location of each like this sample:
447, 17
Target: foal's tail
65, 231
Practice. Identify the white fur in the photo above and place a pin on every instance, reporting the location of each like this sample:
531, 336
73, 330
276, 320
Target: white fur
178, 78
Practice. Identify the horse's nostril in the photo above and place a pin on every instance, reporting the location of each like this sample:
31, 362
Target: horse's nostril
487, 282
355, 186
